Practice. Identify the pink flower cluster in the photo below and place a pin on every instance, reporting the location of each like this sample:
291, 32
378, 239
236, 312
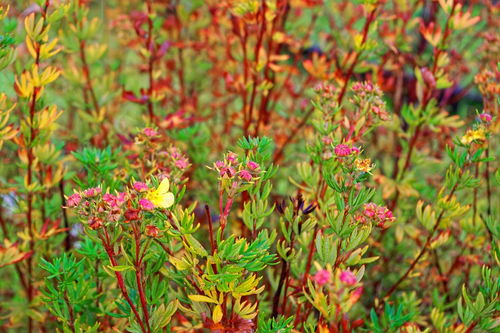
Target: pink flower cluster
367, 94
348, 277
343, 150
180, 161
231, 166
114, 201
322, 277
485, 117
377, 214
150, 132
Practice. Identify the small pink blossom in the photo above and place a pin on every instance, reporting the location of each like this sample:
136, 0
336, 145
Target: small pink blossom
355, 296
181, 163
252, 165
219, 164
355, 150
232, 158
486, 117
322, 277
245, 175
140, 187
348, 277
327, 140
150, 132
74, 200
146, 204
92, 192
120, 197
174, 152
110, 199
379, 214
342, 150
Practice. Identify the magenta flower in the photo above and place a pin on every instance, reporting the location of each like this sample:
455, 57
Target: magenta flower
140, 187
342, 150
110, 199
355, 150
150, 132
219, 164
74, 200
322, 277
245, 175
92, 192
120, 197
146, 204
379, 214
486, 117
348, 277
181, 163
232, 158
252, 165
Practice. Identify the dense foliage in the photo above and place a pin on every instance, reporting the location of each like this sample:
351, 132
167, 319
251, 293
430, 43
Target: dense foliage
249, 166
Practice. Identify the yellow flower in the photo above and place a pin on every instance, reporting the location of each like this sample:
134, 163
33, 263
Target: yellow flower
161, 197
364, 165
473, 135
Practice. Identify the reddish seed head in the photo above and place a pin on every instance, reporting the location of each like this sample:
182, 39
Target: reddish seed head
132, 214
152, 231
95, 223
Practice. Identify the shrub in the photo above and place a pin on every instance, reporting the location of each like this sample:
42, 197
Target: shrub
249, 166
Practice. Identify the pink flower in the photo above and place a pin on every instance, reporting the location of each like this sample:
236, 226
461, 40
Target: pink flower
245, 175
140, 187
379, 214
181, 163
232, 158
74, 200
355, 150
486, 117
322, 277
146, 204
356, 294
150, 132
174, 152
342, 150
219, 164
92, 192
348, 277
326, 140
110, 199
120, 197
252, 165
